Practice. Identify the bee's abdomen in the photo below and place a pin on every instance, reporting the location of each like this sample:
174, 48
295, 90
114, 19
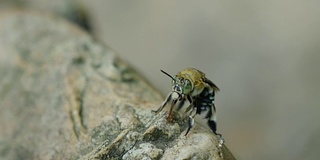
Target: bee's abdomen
205, 103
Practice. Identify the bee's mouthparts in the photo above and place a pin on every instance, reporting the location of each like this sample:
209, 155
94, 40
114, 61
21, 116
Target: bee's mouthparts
175, 95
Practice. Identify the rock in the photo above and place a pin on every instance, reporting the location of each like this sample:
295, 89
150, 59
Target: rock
65, 96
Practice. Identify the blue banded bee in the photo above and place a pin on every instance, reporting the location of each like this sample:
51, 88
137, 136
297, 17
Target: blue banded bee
192, 85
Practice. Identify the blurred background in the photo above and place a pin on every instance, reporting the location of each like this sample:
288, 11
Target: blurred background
263, 55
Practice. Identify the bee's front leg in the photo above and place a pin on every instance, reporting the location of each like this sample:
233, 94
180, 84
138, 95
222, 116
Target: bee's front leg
164, 103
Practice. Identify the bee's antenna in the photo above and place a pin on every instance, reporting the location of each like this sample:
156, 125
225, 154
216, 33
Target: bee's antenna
167, 74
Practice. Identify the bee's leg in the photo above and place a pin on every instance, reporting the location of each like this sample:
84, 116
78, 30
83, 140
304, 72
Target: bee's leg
163, 104
189, 99
191, 120
174, 101
185, 115
213, 126
212, 121
190, 106
180, 105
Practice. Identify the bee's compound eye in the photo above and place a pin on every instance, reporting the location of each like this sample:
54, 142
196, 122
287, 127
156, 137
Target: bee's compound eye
187, 87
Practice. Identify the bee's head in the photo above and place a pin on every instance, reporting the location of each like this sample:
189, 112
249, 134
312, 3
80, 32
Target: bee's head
180, 85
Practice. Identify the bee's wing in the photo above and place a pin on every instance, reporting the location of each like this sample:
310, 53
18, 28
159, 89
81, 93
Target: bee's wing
215, 88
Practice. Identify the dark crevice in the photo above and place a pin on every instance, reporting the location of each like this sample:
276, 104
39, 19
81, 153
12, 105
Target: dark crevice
81, 104
77, 95
74, 126
125, 151
78, 60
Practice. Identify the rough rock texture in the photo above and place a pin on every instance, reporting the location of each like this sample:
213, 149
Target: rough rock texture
65, 96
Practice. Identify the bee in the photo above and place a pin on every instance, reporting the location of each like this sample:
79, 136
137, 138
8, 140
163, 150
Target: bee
193, 86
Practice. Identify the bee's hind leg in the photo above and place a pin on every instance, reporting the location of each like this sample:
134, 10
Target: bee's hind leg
213, 127
212, 120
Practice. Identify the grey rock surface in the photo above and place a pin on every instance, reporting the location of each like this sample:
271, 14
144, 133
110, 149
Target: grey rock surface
65, 96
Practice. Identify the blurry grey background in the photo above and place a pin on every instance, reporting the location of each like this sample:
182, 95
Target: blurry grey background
264, 56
